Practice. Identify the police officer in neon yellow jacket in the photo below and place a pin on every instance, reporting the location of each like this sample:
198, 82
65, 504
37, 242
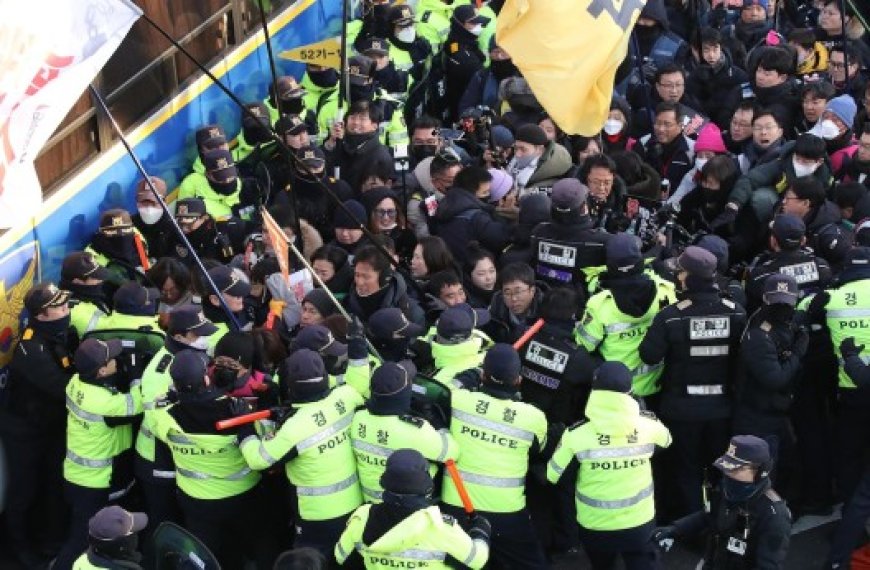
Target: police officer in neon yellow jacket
387, 424
613, 447
84, 278
457, 344
217, 490
113, 535
498, 435
617, 318
98, 468
334, 354
290, 101
314, 445
114, 247
234, 287
188, 329
225, 194
406, 530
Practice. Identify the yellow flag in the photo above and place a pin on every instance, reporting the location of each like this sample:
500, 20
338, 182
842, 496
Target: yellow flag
568, 51
326, 53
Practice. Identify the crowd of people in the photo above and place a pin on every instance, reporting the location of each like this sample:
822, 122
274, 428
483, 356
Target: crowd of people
618, 340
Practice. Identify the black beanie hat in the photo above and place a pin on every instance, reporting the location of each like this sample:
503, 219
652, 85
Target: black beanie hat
532, 134
341, 219
321, 301
391, 388
407, 473
236, 345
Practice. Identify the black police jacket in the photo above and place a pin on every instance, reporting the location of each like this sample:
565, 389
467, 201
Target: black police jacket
698, 340
560, 251
40, 369
764, 520
556, 373
768, 370
811, 272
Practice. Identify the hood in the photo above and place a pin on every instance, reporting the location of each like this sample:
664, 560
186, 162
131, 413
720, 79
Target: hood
554, 163
655, 10
422, 172
612, 413
453, 354
456, 201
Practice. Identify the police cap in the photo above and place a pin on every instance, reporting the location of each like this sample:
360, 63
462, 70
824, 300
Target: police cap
220, 165
789, 231
290, 125
568, 194
132, 298
467, 14
189, 208
392, 324
229, 281
303, 375
502, 365
188, 370
454, 326
780, 288
112, 523
189, 318
623, 254
698, 262
82, 265
744, 451
210, 137
44, 295
319, 339
92, 354
612, 376
407, 473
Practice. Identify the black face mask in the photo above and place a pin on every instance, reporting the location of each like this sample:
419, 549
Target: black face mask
256, 134
421, 151
292, 106
361, 92
335, 365
388, 78
202, 236
224, 188
503, 69
326, 79
224, 377
56, 329
780, 313
861, 166
646, 32
122, 247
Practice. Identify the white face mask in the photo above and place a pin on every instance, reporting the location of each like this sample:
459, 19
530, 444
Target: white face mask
201, 343
825, 129
150, 216
803, 169
406, 35
612, 126
700, 162
476, 30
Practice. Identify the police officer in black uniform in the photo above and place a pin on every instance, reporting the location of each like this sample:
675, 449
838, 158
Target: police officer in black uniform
697, 338
565, 246
750, 524
788, 255
770, 359
33, 423
210, 239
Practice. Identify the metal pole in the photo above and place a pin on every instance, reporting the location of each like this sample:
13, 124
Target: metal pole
281, 144
272, 68
102, 103
638, 60
343, 87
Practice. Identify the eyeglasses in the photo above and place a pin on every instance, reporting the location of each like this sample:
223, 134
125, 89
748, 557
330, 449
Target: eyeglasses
515, 293
740, 125
386, 213
607, 183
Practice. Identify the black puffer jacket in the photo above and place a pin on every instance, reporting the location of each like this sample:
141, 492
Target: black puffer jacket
463, 218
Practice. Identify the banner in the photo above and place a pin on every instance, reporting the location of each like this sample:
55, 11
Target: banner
279, 241
568, 51
46, 63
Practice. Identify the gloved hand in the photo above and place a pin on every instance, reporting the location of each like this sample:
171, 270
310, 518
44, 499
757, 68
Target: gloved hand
283, 303
849, 348
725, 219
356, 340
649, 68
480, 528
801, 342
664, 537
816, 308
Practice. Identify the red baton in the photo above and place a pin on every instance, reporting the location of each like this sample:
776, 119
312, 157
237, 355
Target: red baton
533, 330
242, 420
460, 486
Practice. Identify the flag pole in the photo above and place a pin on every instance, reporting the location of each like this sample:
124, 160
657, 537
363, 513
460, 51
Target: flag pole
343, 87
102, 103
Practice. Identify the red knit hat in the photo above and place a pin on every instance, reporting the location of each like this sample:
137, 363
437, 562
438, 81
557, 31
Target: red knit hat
710, 138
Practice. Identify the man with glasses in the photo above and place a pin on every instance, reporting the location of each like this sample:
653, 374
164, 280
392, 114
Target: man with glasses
517, 305
669, 85
772, 86
428, 184
667, 150
767, 141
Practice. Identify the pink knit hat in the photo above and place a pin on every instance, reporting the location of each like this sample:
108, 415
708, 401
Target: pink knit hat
710, 138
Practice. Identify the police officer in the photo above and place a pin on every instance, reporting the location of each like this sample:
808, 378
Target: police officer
843, 311
497, 435
387, 424
112, 538
188, 329
114, 247
617, 318
787, 255
334, 354
210, 238
460, 58
697, 339
456, 344
314, 443
234, 287
614, 485
556, 372
750, 524
225, 193
217, 491
290, 100
98, 469
84, 278
134, 308
406, 530
771, 351
33, 421
569, 244
151, 221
